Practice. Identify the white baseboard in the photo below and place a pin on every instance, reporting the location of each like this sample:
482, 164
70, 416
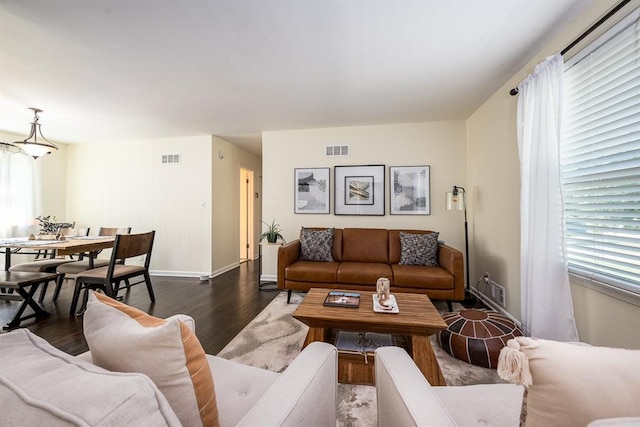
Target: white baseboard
225, 269
268, 278
165, 273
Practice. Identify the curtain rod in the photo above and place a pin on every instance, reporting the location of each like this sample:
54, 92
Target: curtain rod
582, 36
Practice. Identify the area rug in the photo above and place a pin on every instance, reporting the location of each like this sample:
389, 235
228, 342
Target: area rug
274, 338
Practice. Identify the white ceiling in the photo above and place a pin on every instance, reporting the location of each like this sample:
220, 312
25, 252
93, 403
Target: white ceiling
135, 69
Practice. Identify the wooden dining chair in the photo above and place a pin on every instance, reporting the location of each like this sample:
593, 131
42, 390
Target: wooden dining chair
71, 268
109, 277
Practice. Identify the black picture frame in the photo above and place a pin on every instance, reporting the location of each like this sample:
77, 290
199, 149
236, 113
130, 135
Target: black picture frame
359, 190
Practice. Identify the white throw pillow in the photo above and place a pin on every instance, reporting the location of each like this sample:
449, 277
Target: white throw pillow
43, 386
124, 339
572, 385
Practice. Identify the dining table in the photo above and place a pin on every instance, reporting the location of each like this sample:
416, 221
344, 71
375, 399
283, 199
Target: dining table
70, 246
23, 285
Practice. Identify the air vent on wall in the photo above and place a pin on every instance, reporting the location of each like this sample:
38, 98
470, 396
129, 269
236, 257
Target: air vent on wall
170, 159
336, 150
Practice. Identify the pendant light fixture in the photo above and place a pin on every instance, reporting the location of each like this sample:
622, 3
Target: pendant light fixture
36, 144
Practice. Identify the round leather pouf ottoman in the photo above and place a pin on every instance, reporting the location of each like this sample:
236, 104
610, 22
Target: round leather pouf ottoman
476, 336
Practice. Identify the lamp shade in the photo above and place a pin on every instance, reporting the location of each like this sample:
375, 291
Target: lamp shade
35, 145
455, 201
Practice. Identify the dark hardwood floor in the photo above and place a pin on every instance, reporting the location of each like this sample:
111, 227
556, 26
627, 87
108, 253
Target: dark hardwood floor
221, 307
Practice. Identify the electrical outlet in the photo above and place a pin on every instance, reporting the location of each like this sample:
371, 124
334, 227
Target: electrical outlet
487, 278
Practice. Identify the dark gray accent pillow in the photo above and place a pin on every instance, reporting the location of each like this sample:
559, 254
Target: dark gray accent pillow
419, 249
316, 245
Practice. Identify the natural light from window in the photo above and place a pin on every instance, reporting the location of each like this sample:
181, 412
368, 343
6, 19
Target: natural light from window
600, 154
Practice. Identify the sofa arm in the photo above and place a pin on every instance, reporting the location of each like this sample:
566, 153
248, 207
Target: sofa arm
451, 260
287, 255
404, 396
306, 390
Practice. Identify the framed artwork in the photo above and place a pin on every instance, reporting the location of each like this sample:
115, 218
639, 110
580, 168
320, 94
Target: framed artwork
359, 190
311, 191
409, 190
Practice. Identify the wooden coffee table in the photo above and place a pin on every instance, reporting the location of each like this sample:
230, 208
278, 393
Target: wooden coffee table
417, 319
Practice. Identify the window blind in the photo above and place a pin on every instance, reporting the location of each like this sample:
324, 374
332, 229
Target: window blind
600, 159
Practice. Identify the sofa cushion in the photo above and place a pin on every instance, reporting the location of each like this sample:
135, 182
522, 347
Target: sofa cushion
482, 404
314, 272
125, 339
419, 249
316, 245
365, 245
419, 276
362, 273
243, 385
41, 385
576, 384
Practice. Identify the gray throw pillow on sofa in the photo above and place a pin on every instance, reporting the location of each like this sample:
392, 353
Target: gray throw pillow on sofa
316, 245
419, 249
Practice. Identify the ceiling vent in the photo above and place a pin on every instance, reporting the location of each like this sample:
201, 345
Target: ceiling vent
336, 150
170, 159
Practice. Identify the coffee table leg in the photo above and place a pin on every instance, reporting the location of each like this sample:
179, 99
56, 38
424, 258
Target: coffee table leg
314, 334
425, 359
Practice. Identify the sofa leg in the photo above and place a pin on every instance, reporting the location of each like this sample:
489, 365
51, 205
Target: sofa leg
288, 296
449, 305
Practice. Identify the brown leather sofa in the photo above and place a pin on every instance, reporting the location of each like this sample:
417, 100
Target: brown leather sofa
361, 256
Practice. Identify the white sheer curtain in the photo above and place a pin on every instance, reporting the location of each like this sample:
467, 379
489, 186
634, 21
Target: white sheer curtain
19, 192
547, 308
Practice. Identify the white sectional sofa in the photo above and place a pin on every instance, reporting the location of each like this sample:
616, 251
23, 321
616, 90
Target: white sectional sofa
41, 385
567, 384
405, 398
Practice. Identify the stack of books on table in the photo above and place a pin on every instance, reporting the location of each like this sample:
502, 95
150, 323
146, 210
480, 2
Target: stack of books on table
364, 343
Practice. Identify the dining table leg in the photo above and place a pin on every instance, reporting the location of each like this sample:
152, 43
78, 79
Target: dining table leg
27, 300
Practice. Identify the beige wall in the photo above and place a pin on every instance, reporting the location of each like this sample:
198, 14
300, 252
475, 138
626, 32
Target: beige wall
226, 202
193, 206
124, 183
442, 145
493, 174
53, 170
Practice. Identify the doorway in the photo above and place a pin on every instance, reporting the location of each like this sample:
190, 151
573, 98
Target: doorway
246, 214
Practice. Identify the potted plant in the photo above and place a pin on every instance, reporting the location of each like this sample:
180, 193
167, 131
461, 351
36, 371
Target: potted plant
273, 232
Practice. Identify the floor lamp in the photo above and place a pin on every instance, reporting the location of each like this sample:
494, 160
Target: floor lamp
457, 201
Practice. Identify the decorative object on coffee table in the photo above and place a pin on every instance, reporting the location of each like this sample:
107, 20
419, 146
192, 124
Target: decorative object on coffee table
382, 288
342, 299
476, 336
